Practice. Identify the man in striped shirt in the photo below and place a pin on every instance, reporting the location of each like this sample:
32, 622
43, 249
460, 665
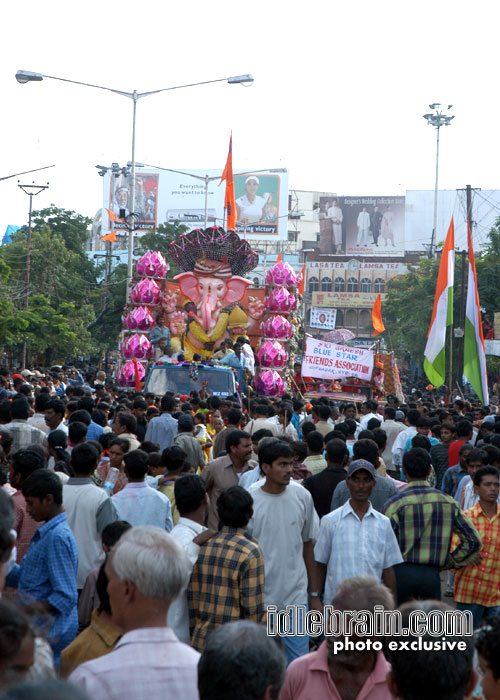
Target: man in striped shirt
424, 521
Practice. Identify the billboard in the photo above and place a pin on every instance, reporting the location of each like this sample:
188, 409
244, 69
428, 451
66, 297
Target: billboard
324, 319
346, 300
163, 196
362, 226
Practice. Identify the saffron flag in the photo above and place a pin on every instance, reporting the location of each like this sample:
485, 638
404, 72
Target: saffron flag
227, 175
112, 215
278, 259
109, 237
474, 354
378, 324
302, 282
442, 313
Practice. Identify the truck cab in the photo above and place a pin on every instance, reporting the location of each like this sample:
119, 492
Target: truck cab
177, 379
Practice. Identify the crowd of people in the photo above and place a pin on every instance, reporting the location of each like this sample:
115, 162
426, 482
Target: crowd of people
144, 541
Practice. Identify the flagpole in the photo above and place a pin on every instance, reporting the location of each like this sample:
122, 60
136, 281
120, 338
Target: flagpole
450, 367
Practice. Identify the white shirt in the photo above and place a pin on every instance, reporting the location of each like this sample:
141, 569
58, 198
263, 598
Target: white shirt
290, 432
146, 664
38, 421
88, 509
139, 504
353, 547
367, 418
281, 523
399, 445
249, 478
249, 357
392, 429
251, 210
363, 220
178, 613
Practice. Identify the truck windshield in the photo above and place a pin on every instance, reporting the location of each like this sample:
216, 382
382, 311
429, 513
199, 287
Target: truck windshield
178, 380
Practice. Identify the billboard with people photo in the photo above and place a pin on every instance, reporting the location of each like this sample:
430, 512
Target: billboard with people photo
367, 226
195, 198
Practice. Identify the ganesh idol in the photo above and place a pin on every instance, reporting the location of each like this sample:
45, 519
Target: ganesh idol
213, 264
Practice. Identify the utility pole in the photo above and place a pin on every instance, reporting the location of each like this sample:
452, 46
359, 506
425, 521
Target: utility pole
459, 332
30, 191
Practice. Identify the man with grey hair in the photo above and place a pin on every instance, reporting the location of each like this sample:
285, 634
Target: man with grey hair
334, 672
240, 661
146, 571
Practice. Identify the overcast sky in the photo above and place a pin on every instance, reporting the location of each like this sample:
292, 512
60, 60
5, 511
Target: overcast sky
339, 93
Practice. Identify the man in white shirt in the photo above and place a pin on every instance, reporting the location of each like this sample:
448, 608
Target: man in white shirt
146, 572
285, 525
355, 539
88, 508
392, 428
261, 420
363, 224
138, 503
399, 445
334, 213
371, 412
192, 503
37, 420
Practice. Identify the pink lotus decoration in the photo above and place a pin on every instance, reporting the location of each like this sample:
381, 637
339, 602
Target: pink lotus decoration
152, 264
282, 274
281, 300
138, 346
272, 354
145, 292
126, 375
138, 319
269, 383
277, 327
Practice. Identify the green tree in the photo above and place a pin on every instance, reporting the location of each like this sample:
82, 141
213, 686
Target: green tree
64, 287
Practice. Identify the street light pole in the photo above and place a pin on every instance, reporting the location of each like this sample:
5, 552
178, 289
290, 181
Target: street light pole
23, 77
130, 257
438, 118
30, 191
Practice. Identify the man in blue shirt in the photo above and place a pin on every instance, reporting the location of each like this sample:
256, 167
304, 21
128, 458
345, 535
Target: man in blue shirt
163, 429
237, 361
46, 578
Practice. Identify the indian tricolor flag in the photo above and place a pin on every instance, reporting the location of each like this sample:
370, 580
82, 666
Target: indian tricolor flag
474, 355
442, 313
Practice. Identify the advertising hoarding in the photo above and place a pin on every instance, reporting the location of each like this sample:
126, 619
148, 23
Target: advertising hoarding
354, 300
362, 226
163, 196
323, 318
330, 361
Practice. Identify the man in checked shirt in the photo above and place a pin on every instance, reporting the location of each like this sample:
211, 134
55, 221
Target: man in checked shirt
227, 582
477, 584
424, 521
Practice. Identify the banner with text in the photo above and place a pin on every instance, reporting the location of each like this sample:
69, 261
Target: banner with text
330, 361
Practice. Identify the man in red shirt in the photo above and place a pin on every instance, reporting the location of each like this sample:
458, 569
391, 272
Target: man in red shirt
464, 434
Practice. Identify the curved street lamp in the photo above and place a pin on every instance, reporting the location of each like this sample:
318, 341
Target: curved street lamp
24, 76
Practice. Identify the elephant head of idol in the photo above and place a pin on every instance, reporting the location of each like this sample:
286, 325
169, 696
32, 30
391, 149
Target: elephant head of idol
213, 263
